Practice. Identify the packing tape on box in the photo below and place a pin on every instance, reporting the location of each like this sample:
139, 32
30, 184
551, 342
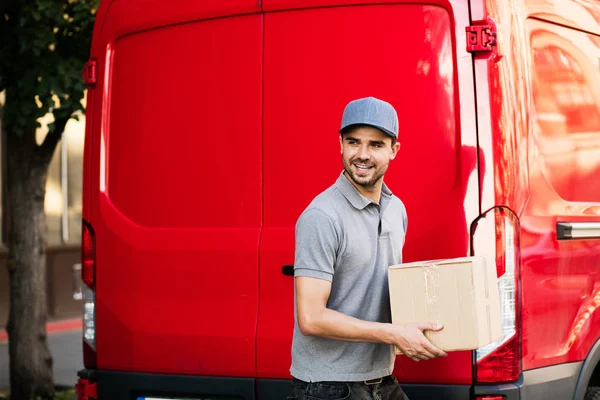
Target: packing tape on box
431, 273
432, 292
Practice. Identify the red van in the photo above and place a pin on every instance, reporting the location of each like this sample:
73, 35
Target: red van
212, 124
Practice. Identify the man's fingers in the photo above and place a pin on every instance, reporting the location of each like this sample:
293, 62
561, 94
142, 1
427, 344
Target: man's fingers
417, 347
422, 354
434, 351
425, 354
431, 326
419, 352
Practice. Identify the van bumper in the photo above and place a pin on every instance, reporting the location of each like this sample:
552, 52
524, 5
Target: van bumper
121, 385
555, 382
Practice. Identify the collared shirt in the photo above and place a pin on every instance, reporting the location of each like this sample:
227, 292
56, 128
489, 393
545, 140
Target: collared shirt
349, 240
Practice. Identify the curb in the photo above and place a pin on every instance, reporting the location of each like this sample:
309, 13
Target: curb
52, 327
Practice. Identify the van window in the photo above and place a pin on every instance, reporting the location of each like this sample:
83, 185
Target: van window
184, 143
566, 92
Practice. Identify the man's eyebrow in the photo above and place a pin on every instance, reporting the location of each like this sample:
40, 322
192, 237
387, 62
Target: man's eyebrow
351, 138
377, 142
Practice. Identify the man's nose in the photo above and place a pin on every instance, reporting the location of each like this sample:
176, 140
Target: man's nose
363, 153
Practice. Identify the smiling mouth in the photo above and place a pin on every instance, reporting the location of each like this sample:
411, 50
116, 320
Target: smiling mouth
362, 167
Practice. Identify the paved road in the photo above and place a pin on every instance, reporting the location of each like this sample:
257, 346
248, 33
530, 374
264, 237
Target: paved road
67, 352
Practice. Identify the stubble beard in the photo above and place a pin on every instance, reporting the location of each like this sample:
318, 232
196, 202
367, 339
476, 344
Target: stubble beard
367, 184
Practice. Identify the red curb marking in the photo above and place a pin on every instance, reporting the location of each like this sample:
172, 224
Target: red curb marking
53, 327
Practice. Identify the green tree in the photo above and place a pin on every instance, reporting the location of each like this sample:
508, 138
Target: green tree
43, 47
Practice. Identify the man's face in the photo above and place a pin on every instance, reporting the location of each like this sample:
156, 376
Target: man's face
366, 153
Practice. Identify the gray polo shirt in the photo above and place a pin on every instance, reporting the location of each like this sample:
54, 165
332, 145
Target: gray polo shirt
349, 240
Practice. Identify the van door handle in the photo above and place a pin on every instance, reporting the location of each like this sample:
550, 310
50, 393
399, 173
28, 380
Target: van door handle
288, 270
577, 230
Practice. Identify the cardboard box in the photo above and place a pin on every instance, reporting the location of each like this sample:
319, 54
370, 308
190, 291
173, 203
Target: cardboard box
462, 294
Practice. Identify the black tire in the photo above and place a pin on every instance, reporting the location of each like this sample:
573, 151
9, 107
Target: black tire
592, 393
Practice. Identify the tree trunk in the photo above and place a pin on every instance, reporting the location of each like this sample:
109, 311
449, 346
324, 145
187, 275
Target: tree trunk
30, 358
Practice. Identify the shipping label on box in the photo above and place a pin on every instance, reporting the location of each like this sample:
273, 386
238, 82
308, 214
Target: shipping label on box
461, 294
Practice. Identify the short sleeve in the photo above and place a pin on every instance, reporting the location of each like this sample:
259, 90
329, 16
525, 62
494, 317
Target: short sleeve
316, 245
404, 216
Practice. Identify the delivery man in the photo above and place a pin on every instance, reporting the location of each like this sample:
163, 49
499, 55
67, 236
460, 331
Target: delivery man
343, 344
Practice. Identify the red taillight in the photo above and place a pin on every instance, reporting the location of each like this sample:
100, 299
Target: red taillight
496, 234
88, 275
88, 255
500, 243
489, 398
502, 365
89, 356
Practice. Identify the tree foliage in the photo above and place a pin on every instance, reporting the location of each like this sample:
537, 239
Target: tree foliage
43, 48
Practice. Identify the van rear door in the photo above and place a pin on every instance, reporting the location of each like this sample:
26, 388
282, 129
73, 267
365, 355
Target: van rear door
318, 59
176, 183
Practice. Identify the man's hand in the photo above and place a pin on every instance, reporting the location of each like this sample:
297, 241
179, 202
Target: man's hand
413, 343
315, 319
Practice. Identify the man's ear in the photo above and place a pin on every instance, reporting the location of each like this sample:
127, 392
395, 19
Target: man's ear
341, 144
395, 149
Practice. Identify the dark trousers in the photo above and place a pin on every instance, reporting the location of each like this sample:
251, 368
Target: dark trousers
386, 388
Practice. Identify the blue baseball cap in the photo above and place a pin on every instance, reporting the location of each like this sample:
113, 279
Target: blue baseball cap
371, 111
